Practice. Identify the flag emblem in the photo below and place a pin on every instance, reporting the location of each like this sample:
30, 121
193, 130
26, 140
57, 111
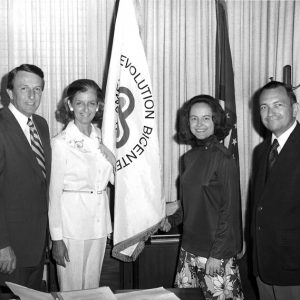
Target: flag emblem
130, 131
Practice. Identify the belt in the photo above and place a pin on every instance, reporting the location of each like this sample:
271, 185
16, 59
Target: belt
87, 192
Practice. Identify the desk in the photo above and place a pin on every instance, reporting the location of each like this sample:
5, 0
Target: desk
183, 294
8, 296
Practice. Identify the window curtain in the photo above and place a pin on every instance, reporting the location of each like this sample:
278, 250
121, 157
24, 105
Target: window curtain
70, 39
264, 38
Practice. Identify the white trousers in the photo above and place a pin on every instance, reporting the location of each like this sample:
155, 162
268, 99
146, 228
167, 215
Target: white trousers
84, 269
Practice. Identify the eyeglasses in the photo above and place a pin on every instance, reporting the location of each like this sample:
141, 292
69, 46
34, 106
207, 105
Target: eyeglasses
26, 90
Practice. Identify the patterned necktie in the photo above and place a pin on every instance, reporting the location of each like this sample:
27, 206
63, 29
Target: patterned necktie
273, 154
37, 146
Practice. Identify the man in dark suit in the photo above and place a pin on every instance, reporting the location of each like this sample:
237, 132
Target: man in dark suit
24, 179
276, 196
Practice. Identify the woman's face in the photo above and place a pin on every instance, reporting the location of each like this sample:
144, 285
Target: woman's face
85, 106
201, 122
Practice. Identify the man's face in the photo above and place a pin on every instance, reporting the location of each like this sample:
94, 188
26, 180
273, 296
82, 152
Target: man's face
27, 92
276, 110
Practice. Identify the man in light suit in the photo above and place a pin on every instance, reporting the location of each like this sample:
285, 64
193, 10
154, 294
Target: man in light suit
276, 196
23, 185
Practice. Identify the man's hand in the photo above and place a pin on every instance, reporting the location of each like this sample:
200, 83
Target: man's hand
165, 225
8, 260
212, 266
60, 252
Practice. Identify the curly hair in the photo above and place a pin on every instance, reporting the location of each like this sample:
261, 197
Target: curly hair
63, 112
221, 129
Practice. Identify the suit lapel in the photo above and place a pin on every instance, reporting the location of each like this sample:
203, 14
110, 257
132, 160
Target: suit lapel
262, 168
288, 157
20, 141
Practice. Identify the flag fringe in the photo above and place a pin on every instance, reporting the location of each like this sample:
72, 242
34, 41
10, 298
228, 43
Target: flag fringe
138, 238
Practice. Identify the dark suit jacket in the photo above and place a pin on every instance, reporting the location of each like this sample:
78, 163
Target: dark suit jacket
23, 190
276, 213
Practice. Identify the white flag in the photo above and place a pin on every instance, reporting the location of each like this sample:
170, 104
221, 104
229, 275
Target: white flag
130, 131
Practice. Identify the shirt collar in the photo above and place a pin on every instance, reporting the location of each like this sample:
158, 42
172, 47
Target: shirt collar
283, 137
89, 144
73, 132
22, 119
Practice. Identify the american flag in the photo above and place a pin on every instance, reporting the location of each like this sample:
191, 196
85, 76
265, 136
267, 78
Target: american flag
224, 87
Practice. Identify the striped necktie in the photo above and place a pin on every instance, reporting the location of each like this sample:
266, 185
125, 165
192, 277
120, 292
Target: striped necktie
37, 146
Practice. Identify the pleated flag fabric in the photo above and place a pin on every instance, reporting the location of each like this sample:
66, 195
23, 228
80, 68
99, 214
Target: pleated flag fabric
130, 131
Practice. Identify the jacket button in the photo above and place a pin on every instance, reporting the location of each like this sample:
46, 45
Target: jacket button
259, 228
260, 208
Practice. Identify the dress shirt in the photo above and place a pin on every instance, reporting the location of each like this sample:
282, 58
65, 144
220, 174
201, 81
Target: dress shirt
79, 206
283, 137
22, 120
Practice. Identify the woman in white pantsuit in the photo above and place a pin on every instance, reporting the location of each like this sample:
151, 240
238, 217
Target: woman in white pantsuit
82, 166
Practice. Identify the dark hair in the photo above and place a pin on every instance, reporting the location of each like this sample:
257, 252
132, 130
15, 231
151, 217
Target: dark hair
276, 84
218, 116
27, 68
65, 115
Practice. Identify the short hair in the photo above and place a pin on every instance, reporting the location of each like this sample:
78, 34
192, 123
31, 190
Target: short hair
221, 129
27, 68
276, 84
65, 115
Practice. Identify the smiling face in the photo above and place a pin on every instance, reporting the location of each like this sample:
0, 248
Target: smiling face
201, 122
276, 110
26, 92
84, 105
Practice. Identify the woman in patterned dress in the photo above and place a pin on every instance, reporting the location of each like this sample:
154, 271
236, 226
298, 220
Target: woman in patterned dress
210, 209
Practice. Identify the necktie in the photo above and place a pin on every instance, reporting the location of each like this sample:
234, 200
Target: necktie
37, 146
273, 154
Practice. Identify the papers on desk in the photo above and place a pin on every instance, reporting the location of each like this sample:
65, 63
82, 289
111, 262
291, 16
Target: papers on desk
102, 293
28, 294
150, 294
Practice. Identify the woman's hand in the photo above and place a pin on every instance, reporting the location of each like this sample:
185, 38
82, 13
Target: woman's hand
165, 225
60, 252
213, 266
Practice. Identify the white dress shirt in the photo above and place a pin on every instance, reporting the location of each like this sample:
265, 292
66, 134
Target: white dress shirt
79, 206
283, 137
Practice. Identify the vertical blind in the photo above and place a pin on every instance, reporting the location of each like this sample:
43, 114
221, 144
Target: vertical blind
71, 39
